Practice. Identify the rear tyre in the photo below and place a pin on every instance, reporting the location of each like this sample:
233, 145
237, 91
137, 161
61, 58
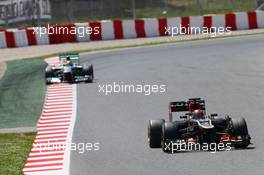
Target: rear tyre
239, 128
155, 132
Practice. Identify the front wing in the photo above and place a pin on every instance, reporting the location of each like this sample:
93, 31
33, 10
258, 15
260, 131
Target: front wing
77, 79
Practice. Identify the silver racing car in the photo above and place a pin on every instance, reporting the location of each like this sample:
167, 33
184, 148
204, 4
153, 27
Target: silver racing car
69, 70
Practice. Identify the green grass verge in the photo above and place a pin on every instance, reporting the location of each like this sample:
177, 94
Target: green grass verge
14, 149
22, 92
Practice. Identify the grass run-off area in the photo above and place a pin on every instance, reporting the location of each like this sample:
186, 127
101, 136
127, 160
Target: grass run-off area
22, 93
14, 149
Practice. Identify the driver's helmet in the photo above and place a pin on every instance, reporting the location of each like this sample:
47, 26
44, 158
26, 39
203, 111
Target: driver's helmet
68, 60
197, 114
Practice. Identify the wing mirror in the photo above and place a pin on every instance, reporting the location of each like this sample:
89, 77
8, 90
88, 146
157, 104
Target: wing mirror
183, 117
213, 115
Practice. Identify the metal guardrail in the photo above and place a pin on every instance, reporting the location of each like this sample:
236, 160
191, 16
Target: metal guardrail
15, 13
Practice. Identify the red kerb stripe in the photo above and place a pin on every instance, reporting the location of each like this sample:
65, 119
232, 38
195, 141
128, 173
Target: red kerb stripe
45, 160
96, 33
208, 22
31, 37
252, 20
48, 169
185, 22
46, 155
43, 165
230, 19
118, 29
52, 133
162, 27
68, 36
140, 28
10, 39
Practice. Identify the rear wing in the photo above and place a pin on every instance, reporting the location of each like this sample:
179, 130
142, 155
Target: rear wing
178, 106
182, 106
73, 56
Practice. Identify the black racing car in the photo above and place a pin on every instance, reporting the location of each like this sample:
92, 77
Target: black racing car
69, 70
196, 127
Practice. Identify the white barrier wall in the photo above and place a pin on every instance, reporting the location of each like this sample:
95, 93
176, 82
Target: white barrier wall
260, 19
151, 27
20, 38
129, 29
2, 40
107, 30
122, 29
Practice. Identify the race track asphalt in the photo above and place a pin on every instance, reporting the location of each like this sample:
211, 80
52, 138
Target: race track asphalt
227, 73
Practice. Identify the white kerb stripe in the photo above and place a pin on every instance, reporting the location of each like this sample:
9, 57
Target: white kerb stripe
42, 39
242, 21
260, 19
218, 21
174, 23
2, 40
20, 38
107, 30
196, 22
151, 27
82, 34
129, 29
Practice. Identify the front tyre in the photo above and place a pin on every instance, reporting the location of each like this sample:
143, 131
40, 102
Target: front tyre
88, 70
154, 133
170, 133
49, 73
239, 129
